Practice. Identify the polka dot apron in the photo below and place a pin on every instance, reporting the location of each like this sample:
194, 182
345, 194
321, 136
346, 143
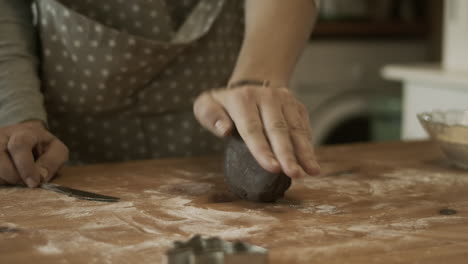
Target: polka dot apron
119, 76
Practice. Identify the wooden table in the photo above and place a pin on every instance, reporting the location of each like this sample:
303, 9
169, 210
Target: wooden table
372, 203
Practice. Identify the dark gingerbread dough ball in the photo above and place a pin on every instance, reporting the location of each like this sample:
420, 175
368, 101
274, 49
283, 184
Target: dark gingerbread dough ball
247, 179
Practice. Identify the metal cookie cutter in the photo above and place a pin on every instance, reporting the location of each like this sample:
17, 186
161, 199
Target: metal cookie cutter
214, 250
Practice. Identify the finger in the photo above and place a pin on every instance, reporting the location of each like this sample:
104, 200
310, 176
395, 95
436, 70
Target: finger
8, 174
8, 171
242, 108
55, 155
20, 147
299, 132
304, 113
211, 115
277, 131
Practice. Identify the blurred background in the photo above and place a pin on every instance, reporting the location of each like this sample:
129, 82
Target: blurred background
339, 75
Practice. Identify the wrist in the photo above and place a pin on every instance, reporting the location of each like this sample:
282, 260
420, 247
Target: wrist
234, 83
276, 76
34, 123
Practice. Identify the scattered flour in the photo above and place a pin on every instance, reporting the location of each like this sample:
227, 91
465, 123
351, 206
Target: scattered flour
326, 209
411, 178
147, 222
87, 210
209, 221
49, 249
106, 228
423, 223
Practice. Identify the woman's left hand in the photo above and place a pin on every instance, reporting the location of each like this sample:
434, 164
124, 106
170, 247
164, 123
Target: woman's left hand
273, 123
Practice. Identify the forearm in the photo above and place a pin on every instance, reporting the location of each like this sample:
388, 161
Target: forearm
275, 35
20, 97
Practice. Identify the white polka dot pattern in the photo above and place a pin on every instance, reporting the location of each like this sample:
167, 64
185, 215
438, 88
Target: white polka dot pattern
119, 89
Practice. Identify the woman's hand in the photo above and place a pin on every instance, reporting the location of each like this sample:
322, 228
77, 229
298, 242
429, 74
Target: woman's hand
273, 123
29, 154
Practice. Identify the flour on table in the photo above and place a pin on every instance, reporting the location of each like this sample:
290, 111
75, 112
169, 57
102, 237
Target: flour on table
49, 249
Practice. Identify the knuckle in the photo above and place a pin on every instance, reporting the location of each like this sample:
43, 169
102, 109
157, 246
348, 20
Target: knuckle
270, 95
201, 96
283, 91
287, 97
241, 97
198, 103
300, 132
197, 98
18, 142
288, 158
63, 150
278, 125
247, 92
253, 126
297, 125
270, 92
66, 152
198, 109
264, 149
201, 109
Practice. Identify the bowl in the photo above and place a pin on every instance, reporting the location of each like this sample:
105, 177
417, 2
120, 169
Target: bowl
449, 129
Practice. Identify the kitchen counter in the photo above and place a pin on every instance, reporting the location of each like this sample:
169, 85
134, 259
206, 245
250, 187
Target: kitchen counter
372, 203
426, 73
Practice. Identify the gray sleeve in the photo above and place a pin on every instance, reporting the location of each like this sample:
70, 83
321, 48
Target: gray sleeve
20, 95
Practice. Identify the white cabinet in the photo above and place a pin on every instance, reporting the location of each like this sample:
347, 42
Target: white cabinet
455, 40
426, 88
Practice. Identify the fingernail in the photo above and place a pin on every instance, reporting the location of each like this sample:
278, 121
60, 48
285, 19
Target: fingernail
316, 167
30, 182
44, 173
221, 127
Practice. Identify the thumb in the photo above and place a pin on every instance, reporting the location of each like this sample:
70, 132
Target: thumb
211, 115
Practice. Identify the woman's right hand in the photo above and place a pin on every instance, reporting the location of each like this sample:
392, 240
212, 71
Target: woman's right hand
29, 154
